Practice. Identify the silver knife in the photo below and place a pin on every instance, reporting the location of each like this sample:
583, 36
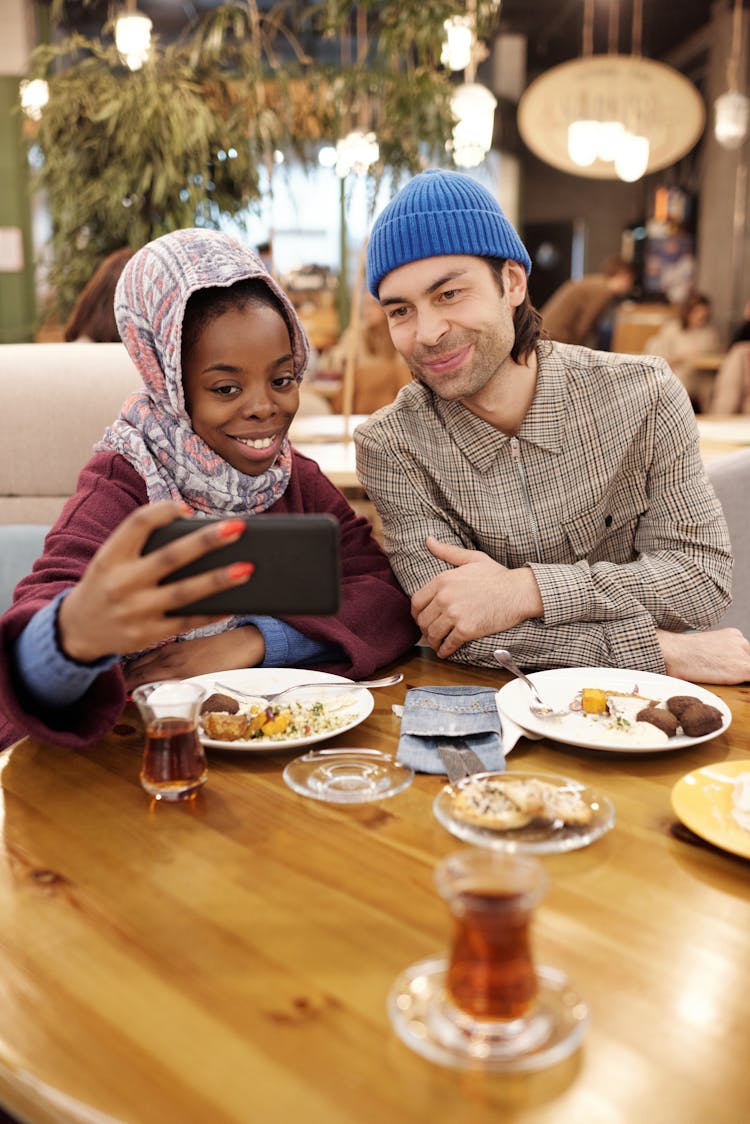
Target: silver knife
460, 760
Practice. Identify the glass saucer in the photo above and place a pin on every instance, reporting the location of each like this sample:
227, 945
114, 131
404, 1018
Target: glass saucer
552, 835
347, 776
429, 1023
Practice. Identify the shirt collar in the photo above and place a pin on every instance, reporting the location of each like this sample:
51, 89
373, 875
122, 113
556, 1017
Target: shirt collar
543, 426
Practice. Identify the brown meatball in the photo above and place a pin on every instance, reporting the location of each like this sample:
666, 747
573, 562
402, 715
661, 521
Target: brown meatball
678, 703
699, 719
222, 703
657, 716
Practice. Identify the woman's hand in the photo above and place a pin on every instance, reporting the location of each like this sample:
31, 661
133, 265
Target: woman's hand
235, 648
118, 605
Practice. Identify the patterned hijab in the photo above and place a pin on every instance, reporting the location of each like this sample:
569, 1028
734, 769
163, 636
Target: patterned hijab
154, 432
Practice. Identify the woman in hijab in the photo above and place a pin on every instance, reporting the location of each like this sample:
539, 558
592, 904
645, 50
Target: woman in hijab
221, 353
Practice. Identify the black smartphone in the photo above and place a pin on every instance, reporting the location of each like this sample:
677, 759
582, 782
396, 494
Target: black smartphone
297, 565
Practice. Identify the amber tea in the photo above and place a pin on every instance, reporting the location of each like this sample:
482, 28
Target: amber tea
491, 973
174, 761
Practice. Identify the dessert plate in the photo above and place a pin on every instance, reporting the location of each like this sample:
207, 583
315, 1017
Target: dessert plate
703, 801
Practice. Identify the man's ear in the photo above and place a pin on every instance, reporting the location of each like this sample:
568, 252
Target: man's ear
516, 282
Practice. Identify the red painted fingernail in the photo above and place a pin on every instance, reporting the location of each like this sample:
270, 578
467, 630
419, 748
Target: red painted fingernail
231, 528
238, 571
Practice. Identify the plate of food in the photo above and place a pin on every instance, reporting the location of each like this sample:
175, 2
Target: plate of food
617, 710
235, 715
714, 802
539, 813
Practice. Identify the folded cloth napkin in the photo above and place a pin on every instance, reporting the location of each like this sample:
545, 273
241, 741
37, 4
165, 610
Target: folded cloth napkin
466, 715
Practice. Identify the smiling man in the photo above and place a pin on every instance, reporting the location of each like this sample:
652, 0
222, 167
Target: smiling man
534, 496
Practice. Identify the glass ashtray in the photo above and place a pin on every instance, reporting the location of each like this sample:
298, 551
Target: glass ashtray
347, 776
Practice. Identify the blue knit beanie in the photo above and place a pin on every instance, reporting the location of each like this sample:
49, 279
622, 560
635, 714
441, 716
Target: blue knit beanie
440, 213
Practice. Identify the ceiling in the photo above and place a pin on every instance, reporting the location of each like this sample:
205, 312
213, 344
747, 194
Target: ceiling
552, 28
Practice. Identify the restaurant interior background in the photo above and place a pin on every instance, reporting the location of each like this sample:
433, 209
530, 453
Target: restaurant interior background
571, 217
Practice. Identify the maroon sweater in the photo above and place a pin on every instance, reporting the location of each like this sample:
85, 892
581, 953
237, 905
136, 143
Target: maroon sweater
372, 627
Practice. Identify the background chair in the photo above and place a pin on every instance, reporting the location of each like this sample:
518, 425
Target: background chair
730, 477
20, 546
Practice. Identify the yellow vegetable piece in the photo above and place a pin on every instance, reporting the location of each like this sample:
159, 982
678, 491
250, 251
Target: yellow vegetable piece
256, 722
276, 725
593, 701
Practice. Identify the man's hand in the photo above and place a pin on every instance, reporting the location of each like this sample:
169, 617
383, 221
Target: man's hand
477, 598
706, 657
234, 648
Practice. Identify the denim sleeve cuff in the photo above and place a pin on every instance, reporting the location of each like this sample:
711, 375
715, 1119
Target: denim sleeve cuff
48, 674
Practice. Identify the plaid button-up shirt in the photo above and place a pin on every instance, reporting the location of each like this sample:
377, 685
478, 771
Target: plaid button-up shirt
602, 493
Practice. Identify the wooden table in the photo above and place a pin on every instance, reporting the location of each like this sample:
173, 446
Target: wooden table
228, 961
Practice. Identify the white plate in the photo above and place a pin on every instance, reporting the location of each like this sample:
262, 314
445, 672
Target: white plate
560, 686
258, 680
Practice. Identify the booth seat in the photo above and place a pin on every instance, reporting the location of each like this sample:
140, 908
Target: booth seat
56, 400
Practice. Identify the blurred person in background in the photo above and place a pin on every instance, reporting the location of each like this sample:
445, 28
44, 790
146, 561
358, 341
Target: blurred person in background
571, 314
93, 315
741, 333
731, 388
685, 338
380, 372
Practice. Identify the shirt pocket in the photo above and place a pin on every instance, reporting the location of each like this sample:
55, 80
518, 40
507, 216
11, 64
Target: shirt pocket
494, 542
606, 532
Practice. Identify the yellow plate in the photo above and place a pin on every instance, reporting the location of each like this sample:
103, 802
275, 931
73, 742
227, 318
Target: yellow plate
703, 800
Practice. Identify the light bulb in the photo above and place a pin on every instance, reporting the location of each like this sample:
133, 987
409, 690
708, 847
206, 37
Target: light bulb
458, 44
473, 106
731, 119
583, 142
631, 160
34, 96
133, 38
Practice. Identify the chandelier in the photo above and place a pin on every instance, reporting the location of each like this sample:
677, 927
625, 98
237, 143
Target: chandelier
611, 116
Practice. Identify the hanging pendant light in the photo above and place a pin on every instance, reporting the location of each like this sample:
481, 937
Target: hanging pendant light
473, 106
356, 152
133, 36
732, 109
611, 116
34, 96
458, 45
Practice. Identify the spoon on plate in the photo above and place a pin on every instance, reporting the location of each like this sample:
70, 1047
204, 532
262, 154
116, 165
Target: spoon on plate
538, 707
274, 696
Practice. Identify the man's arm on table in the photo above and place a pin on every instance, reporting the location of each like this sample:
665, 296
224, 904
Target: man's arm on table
478, 604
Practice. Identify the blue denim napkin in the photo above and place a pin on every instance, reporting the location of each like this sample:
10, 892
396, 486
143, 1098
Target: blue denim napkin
438, 714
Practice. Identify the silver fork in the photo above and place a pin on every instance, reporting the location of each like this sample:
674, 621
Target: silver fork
273, 696
538, 706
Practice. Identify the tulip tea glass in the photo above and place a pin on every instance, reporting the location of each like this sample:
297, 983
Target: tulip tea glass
174, 761
488, 1005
